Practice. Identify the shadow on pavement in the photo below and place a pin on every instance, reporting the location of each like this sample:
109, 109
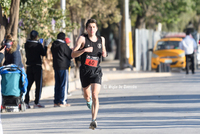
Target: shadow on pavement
130, 111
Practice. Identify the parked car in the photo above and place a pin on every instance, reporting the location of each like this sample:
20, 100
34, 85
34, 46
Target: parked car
167, 51
197, 51
175, 35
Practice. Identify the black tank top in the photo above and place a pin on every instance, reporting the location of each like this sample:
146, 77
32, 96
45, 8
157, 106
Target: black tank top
92, 59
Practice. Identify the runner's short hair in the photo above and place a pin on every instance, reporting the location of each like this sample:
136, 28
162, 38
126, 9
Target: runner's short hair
91, 21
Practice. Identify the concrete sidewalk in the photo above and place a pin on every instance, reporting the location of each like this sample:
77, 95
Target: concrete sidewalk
110, 72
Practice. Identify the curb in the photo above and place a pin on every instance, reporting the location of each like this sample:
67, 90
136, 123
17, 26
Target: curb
110, 72
48, 91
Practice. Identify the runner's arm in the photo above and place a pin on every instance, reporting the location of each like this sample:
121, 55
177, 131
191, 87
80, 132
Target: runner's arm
104, 53
79, 44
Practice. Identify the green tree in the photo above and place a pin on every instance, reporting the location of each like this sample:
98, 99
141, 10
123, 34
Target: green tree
196, 7
164, 11
45, 17
9, 9
104, 11
39, 15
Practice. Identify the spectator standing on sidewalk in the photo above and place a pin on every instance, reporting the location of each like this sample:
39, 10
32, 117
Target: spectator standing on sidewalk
12, 53
91, 48
61, 63
34, 50
188, 44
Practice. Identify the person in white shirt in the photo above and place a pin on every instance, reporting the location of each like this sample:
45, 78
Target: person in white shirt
188, 44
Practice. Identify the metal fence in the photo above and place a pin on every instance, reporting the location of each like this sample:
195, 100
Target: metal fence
144, 40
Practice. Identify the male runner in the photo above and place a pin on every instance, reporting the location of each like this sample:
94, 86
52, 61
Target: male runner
90, 48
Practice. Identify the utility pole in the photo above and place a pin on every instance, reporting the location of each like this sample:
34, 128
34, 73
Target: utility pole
124, 29
63, 5
123, 37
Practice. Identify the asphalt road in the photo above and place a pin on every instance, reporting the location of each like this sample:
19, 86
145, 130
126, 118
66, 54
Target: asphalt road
152, 105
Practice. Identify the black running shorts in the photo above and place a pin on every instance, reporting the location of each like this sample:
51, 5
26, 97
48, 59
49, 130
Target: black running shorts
90, 75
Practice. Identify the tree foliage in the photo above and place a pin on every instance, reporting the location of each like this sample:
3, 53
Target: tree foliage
171, 10
5, 4
164, 11
40, 15
9, 14
196, 6
103, 10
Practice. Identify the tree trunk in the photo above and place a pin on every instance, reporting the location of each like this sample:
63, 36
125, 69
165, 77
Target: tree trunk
82, 28
3, 23
199, 25
116, 38
140, 22
14, 17
105, 32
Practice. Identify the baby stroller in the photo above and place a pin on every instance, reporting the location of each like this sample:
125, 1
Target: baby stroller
13, 85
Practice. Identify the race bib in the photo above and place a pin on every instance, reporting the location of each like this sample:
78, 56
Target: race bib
91, 61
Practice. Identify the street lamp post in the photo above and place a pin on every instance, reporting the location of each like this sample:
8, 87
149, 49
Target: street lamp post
125, 27
63, 5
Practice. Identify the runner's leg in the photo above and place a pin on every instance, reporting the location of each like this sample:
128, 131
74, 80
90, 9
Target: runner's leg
87, 93
95, 105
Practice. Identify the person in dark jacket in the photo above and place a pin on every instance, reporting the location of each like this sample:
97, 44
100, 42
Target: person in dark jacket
61, 63
12, 53
34, 50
